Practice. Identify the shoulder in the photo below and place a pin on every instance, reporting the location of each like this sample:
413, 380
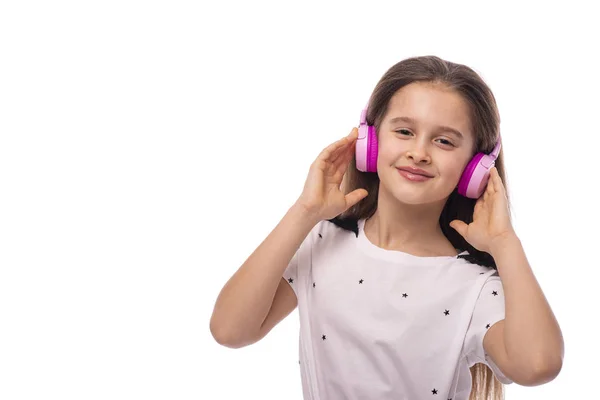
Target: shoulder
330, 234
334, 229
468, 269
481, 258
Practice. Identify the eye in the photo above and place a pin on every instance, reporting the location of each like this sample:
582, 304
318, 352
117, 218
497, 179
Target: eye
445, 142
448, 143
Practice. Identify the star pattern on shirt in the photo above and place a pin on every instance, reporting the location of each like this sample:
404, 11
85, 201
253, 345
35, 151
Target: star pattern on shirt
434, 391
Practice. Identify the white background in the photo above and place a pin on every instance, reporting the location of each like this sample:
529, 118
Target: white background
148, 147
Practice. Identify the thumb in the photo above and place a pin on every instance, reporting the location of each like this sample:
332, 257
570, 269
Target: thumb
355, 196
459, 226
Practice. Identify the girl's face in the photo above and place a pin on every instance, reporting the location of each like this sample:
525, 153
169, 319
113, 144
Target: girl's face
426, 126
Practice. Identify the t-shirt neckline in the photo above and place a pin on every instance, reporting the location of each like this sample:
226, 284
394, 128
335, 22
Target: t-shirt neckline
372, 250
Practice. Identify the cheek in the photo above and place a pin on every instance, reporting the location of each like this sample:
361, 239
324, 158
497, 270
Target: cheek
386, 154
455, 168
390, 149
464, 158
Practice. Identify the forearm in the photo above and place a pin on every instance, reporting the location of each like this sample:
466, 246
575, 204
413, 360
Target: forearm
246, 298
532, 335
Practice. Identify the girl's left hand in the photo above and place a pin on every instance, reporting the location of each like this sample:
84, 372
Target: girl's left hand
491, 217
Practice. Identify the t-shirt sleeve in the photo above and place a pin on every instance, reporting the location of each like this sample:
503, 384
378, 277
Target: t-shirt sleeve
489, 309
291, 272
301, 260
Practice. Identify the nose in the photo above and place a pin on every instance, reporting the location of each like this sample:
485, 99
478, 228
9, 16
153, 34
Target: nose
418, 153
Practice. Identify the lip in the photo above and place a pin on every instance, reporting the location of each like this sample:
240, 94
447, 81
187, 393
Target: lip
413, 177
416, 171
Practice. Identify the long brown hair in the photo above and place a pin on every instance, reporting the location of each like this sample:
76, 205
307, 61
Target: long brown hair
485, 120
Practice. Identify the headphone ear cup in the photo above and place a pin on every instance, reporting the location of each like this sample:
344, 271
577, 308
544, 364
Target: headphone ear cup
366, 149
361, 148
372, 150
366, 145
474, 179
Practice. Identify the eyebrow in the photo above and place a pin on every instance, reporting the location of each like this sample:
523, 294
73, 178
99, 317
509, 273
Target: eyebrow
442, 127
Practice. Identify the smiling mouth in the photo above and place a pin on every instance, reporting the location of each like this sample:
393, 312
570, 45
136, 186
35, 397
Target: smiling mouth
413, 177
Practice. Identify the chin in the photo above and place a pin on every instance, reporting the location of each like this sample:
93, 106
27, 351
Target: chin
416, 199
410, 196
419, 195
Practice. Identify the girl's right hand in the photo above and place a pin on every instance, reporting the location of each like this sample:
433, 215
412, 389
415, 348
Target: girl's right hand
322, 196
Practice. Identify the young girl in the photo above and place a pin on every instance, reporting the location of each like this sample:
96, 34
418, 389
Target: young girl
400, 254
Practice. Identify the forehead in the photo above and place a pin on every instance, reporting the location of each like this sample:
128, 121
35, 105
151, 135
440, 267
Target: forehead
430, 105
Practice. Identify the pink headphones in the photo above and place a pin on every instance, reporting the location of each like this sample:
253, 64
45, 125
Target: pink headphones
473, 181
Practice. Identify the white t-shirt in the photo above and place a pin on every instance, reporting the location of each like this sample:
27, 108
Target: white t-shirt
384, 324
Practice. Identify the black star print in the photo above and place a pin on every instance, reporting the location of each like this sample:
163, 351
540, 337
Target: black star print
324, 337
495, 293
320, 235
434, 391
404, 295
361, 281
481, 273
487, 326
291, 280
313, 284
446, 312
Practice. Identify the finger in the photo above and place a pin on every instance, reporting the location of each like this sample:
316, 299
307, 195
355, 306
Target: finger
355, 196
459, 226
497, 180
332, 151
342, 162
490, 184
478, 206
341, 152
340, 169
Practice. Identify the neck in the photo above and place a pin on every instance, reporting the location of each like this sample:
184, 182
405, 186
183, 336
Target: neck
396, 225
